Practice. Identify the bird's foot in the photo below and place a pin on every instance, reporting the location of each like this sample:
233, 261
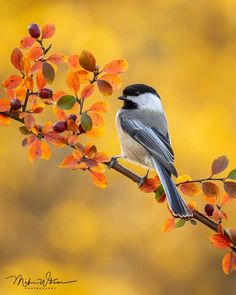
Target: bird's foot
113, 161
143, 179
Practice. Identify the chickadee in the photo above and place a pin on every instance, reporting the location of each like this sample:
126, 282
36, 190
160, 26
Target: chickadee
144, 139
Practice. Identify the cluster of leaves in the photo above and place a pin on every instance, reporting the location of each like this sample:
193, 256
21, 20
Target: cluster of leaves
214, 198
29, 91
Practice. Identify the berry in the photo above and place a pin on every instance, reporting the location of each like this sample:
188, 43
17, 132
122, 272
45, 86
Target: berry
34, 30
209, 209
45, 93
16, 104
60, 126
72, 117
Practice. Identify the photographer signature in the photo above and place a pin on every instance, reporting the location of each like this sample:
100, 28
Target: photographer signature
44, 282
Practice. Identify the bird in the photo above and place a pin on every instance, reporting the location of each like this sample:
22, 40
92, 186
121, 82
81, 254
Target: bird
144, 139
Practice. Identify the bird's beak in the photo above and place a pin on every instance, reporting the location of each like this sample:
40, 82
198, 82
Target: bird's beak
122, 97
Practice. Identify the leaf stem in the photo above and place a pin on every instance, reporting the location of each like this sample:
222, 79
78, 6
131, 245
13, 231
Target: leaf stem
202, 180
26, 100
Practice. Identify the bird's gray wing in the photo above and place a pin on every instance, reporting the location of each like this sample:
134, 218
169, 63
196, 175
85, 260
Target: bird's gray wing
149, 137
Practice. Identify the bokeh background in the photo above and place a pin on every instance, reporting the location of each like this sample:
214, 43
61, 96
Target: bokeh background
110, 240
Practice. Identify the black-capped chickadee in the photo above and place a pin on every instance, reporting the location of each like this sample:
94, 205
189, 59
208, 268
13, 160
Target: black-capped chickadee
144, 139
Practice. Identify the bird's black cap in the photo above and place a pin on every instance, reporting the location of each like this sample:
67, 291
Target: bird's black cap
137, 89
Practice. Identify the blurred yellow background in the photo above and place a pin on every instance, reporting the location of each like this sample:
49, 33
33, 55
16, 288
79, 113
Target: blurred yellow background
110, 240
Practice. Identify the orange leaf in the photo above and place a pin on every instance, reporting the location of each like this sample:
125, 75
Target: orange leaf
29, 121
210, 189
29, 83
20, 92
190, 189
168, 225
95, 132
37, 66
77, 155
83, 76
37, 108
4, 105
210, 200
35, 53
25, 65
116, 67
104, 87
58, 94
46, 152
61, 115
87, 91
97, 119
192, 205
73, 62
102, 157
99, 179
69, 162
73, 140
54, 138
150, 185
41, 82
57, 58
16, 57
48, 31
87, 61
12, 82
73, 82
4, 120
112, 79
229, 262
225, 200
100, 106
35, 150
220, 241
27, 42
72, 126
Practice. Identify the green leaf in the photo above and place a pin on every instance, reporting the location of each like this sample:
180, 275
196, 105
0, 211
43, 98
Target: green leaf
48, 72
66, 102
24, 130
232, 174
193, 221
158, 192
86, 122
180, 223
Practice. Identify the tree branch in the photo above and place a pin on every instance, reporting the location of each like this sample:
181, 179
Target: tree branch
126, 172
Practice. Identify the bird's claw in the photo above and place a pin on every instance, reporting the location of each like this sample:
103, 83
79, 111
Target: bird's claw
143, 179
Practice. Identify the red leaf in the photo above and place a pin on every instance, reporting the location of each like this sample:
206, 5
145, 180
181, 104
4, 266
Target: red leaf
57, 58
229, 262
87, 61
27, 42
16, 57
102, 157
220, 241
36, 67
54, 138
150, 185
104, 87
48, 31
35, 53
87, 91
11, 82
4, 105
73, 62
116, 67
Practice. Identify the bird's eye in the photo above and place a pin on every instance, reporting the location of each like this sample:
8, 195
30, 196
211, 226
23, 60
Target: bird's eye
136, 93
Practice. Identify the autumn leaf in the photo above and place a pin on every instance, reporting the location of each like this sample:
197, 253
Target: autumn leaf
97, 119
210, 189
225, 200
104, 87
87, 91
183, 178
99, 179
41, 82
220, 241
100, 107
190, 189
57, 58
150, 185
4, 105
46, 152
219, 165
26, 42
35, 53
230, 188
37, 66
168, 225
73, 81
35, 150
116, 67
54, 138
29, 121
72, 126
229, 262
4, 120
102, 157
66, 102
87, 61
113, 80
16, 57
160, 194
73, 62
48, 72
95, 132
86, 122
69, 162
48, 31
11, 82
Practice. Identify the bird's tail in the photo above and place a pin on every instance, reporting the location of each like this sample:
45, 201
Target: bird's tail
175, 201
